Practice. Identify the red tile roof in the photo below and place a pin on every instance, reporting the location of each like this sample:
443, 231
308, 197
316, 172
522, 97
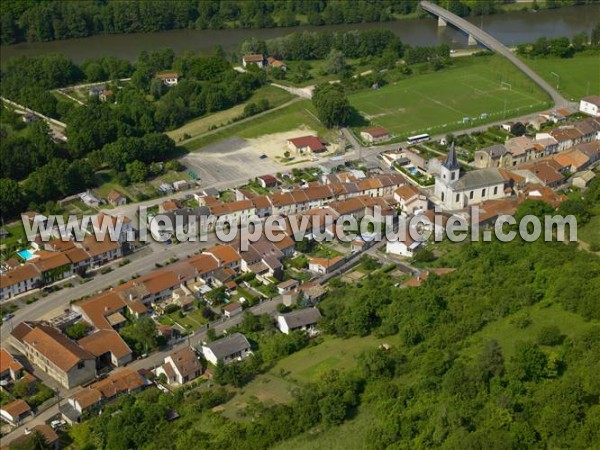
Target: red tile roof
312, 142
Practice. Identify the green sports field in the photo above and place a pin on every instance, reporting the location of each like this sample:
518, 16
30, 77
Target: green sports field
475, 90
578, 76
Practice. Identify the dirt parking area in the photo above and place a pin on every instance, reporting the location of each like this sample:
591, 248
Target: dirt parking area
237, 160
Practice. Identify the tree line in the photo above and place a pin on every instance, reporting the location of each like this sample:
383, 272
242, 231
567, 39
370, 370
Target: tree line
47, 21
562, 47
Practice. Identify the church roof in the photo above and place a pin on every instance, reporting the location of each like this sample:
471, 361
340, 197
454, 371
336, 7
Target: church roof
451, 162
478, 179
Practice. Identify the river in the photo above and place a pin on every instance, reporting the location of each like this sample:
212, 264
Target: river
510, 28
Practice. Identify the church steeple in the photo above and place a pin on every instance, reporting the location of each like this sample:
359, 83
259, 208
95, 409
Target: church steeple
450, 170
451, 162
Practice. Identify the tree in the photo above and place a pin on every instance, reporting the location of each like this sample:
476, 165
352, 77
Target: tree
335, 62
332, 105
254, 45
550, 335
141, 334
518, 129
136, 171
77, 330
12, 199
595, 36
491, 361
528, 363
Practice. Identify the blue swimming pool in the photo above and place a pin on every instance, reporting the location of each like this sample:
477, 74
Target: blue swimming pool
25, 254
414, 171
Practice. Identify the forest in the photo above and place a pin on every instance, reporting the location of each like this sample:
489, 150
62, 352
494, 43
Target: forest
435, 388
111, 135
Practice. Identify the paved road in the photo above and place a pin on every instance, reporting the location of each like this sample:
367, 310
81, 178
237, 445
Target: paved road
493, 44
140, 264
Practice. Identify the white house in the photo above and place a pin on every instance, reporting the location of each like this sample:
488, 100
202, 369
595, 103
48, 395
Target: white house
590, 105
15, 411
302, 319
168, 78
377, 134
257, 59
324, 265
403, 247
232, 309
90, 199
227, 349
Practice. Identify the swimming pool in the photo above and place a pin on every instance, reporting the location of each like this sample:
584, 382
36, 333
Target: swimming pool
414, 171
25, 254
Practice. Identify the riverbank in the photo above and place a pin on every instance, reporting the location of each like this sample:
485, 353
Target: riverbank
510, 28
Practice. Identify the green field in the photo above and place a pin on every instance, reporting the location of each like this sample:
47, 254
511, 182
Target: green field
203, 124
590, 232
579, 76
307, 365
293, 116
437, 102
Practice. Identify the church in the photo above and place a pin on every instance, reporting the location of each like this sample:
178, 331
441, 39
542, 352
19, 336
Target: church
455, 191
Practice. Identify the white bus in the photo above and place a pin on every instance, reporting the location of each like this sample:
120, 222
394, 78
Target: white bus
418, 138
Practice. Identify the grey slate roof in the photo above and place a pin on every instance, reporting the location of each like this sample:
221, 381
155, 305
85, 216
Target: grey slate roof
302, 317
451, 162
478, 179
229, 345
495, 151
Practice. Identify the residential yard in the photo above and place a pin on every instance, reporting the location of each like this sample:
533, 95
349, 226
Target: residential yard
139, 191
438, 102
323, 250
201, 125
579, 76
298, 115
191, 320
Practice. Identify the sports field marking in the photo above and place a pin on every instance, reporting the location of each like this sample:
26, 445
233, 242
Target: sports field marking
437, 102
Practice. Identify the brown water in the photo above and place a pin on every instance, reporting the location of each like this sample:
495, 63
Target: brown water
510, 28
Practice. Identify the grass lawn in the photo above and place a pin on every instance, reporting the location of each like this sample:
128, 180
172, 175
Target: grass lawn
203, 124
323, 251
590, 232
291, 117
437, 102
575, 74
304, 366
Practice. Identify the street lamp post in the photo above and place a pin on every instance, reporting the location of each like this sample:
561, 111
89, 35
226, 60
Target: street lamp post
557, 78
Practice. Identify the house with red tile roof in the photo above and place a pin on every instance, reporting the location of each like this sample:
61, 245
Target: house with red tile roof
308, 144
374, 135
10, 368
54, 353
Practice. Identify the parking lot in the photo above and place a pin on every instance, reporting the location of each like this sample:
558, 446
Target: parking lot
230, 161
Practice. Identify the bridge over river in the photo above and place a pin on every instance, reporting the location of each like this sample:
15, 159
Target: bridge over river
477, 35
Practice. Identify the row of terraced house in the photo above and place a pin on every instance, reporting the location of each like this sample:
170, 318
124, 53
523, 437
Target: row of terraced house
55, 259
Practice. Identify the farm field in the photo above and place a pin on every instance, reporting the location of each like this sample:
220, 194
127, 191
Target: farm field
201, 125
575, 74
297, 115
480, 89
